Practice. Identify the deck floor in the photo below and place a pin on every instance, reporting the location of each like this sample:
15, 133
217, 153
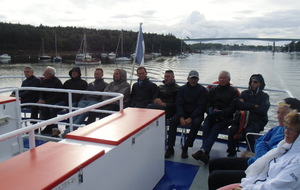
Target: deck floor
199, 181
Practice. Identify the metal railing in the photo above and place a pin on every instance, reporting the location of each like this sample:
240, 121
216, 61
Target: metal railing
30, 129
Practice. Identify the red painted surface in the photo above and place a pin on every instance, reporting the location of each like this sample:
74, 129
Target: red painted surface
46, 166
117, 127
6, 99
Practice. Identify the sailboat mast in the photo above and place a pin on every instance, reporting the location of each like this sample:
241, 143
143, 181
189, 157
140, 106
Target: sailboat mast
122, 54
43, 51
84, 44
55, 40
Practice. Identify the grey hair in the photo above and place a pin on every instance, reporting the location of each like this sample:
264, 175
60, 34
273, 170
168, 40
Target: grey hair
52, 70
226, 73
29, 68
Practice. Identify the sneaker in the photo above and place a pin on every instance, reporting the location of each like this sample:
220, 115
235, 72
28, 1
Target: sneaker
184, 153
55, 132
169, 152
200, 155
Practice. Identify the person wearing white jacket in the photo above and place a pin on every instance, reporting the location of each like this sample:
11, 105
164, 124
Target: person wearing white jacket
280, 167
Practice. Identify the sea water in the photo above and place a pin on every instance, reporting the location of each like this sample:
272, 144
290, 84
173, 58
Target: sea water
280, 70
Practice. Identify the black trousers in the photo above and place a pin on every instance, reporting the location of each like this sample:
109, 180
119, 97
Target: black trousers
225, 171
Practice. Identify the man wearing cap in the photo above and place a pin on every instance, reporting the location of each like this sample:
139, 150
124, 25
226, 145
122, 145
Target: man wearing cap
190, 107
219, 108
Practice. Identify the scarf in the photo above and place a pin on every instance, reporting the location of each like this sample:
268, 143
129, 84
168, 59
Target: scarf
261, 166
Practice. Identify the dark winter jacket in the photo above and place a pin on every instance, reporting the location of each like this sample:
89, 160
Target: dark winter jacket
30, 95
143, 93
168, 93
51, 97
222, 98
75, 84
258, 114
191, 101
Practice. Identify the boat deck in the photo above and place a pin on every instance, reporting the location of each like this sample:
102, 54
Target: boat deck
190, 174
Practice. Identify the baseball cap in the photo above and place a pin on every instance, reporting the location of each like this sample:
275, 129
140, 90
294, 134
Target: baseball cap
193, 74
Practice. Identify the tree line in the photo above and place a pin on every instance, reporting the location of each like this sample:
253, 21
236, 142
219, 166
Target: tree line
26, 39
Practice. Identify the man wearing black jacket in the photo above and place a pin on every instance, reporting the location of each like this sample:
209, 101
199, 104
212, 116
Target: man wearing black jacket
30, 96
49, 81
219, 108
143, 91
190, 107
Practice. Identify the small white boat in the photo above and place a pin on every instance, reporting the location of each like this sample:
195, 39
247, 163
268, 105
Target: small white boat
182, 56
5, 56
57, 59
123, 60
111, 55
104, 55
224, 53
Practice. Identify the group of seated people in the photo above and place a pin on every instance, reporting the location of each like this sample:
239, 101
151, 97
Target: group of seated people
143, 93
273, 163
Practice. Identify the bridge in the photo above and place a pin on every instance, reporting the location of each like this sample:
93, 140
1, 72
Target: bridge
256, 39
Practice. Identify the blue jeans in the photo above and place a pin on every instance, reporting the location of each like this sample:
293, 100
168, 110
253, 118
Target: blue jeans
211, 130
79, 119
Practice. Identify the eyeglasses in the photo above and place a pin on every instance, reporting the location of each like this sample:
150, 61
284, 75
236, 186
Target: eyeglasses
254, 81
284, 104
290, 130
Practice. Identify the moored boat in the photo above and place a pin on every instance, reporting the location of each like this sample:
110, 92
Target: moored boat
111, 55
42, 56
5, 56
57, 58
83, 57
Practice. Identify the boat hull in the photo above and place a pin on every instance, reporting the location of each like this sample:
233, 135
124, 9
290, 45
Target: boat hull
88, 62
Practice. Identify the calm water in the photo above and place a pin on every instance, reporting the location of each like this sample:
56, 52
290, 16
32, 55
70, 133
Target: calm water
281, 71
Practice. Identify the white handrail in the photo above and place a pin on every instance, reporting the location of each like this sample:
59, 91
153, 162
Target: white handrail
30, 129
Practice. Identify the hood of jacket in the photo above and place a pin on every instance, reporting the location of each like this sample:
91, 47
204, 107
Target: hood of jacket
77, 69
260, 78
123, 76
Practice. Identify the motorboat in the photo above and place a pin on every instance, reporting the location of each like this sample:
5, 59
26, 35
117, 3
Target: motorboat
112, 55
123, 60
5, 56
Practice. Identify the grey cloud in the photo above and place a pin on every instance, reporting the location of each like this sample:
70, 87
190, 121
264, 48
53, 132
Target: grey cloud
269, 25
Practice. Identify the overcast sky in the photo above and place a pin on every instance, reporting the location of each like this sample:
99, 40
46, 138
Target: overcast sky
192, 18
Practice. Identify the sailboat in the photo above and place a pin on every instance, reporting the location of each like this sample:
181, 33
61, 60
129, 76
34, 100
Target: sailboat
103, 54
181, 55
42, 55
83, 57
57, 58
122, 59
